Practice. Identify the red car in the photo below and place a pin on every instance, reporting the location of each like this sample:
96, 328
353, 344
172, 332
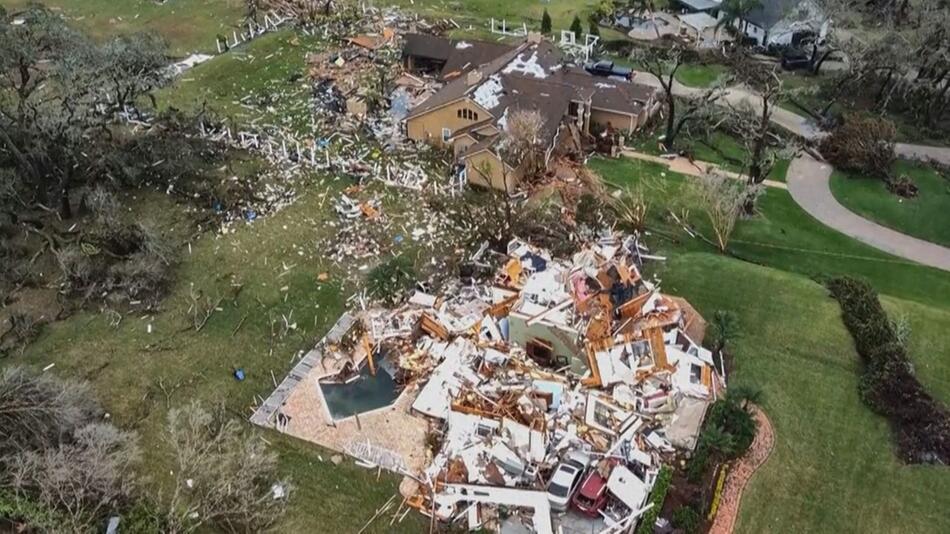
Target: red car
592, 495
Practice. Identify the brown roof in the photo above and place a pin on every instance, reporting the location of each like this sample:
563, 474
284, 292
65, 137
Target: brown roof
427, 46
608, 93
466, 55
458, 87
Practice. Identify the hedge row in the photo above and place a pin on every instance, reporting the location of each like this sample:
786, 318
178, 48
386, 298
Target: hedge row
888, 385
657, 496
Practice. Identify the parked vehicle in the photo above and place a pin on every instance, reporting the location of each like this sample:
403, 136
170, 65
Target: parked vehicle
566, 479
795, 59
607, 68
592, 495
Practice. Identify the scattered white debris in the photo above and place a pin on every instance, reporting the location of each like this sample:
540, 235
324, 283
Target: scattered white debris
527, 67
489, 93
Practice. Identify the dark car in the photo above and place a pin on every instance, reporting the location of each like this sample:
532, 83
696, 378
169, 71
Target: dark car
607, 68
795, 59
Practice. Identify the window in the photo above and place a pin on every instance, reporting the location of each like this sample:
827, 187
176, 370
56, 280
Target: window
466, 114
446, 133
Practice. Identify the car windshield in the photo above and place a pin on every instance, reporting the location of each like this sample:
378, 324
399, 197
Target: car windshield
557, 490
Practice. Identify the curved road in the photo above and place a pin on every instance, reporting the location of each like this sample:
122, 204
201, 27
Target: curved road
808, 182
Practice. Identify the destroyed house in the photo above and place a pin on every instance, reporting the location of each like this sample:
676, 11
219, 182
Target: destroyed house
447, 58
469, 113
574, 361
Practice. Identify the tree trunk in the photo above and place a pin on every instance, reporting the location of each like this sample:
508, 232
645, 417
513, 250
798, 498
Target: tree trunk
670, 121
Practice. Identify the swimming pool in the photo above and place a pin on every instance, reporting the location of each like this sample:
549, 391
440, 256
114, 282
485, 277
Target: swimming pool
364, 394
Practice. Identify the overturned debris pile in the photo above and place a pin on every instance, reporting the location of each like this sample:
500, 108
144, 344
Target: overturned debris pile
558, 384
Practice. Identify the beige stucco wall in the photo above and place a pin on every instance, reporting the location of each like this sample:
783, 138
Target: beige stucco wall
477, 164
428, 126
618, 121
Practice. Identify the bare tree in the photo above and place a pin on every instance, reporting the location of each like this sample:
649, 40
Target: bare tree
522, 142
222, 477
721, 199
663, 63
38, 410
83, 479
751, 123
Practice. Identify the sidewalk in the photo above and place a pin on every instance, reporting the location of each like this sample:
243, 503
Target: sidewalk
683, 165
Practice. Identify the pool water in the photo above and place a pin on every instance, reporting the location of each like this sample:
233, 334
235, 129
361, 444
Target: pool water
362, 395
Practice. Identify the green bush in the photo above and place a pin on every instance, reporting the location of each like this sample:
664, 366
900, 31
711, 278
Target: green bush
660, 488
686, 519
888, 385
389, 280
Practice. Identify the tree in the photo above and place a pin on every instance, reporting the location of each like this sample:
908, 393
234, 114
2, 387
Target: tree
545, 23
521, 143
576, 27
663, 63
724, 328
862, 144
56, 454
83, 479
57, 91
721, 199
733, 14
132, 65
222, 477
38, 410
593, 28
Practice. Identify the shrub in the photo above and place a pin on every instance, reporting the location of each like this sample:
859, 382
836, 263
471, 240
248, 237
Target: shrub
660, 488
389, 280
687, 519
861, 144
545, 23
888, 385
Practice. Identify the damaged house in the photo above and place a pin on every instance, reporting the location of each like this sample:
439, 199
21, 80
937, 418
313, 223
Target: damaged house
485, 86
547, 396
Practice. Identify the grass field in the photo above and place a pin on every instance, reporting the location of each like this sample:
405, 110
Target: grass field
719, 148
188, 25
784, 236
926, 217
833, 468
263, 82
700, 75
276, 263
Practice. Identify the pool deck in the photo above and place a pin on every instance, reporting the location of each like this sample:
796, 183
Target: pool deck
392, 427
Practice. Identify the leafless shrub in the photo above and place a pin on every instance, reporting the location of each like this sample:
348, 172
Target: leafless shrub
20, 330
37, 410
222, 476
128, 261
83, 479
721, 199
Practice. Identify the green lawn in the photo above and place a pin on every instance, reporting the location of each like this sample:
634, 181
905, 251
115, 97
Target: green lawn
263, 82
833, 468
276, 263
926, 217
700, 75
475, 15
719, 148
784, 236
188, 25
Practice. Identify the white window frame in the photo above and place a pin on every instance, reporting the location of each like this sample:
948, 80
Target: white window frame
446, 134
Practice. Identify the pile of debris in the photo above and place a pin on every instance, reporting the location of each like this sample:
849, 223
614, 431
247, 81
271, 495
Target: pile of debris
554, 385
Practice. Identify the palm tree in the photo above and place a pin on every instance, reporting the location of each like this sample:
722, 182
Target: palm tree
733, 11
716, 439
